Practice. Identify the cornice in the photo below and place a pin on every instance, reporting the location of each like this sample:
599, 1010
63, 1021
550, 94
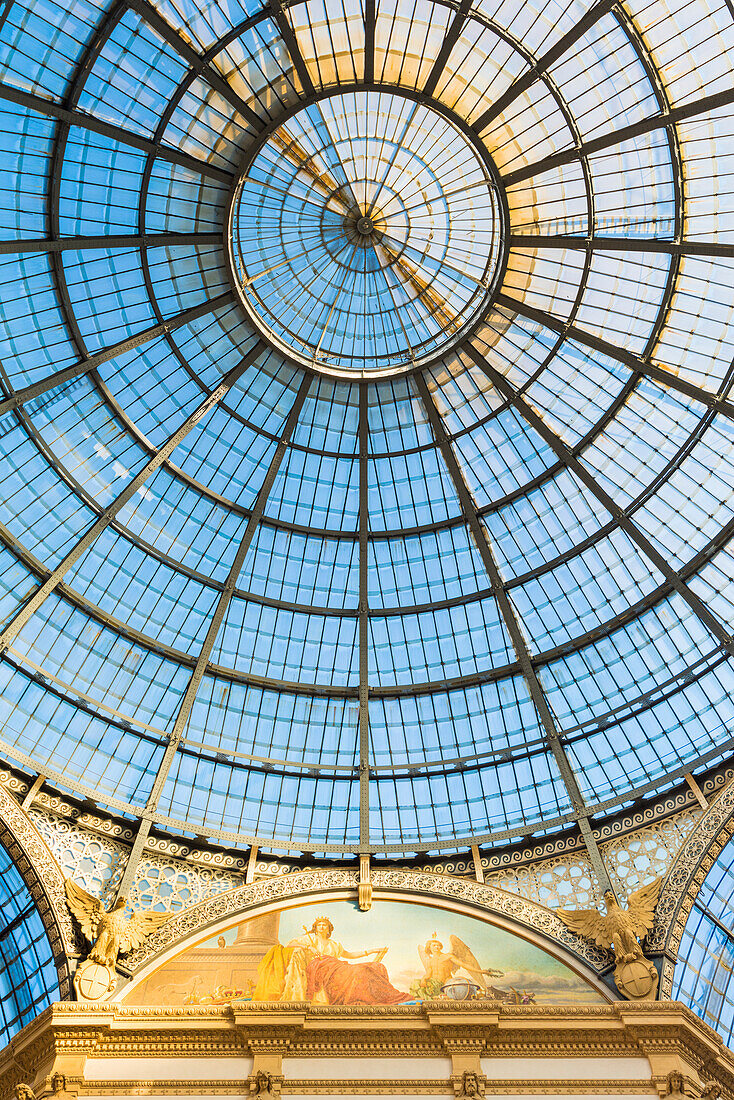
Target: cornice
539, 1085
69, 1031
445, 1020
372, 1087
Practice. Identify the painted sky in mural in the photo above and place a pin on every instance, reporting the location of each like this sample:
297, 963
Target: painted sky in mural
329, 952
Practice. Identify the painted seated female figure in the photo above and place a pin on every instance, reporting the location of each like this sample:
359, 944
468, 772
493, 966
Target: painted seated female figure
311, 967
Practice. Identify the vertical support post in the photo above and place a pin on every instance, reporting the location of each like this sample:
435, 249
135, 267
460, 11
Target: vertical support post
478, 869
136, 853
700, 796
364, 727
370, 16
251, 863
33, 791
365, 883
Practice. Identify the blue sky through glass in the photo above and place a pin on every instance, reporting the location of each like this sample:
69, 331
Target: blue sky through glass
366, 233
353, 475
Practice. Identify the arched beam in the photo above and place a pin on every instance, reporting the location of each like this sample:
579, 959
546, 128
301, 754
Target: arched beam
528, 916
44, 879
683, 882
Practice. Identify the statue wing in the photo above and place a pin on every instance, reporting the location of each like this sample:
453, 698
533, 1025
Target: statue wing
587, 922
138, 927
641, 907
460, 951
424, 958
87, 909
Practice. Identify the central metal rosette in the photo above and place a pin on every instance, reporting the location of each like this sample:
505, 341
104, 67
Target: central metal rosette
366, 234
364, 227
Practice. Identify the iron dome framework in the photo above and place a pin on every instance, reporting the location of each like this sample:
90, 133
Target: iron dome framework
271, 602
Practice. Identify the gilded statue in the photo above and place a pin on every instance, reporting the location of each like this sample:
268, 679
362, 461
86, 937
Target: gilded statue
24, 1092
110, 934
621, 929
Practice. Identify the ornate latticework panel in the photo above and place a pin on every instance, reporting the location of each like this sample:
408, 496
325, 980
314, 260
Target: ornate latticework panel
95, 862
568, 882
632, 860
645, 854
170, 885
567, 879
164, 884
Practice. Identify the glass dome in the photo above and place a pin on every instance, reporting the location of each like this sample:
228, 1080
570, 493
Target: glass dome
365, 233
366, 426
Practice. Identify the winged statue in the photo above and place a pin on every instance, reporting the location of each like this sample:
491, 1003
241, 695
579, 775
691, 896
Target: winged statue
109, 932
620, 928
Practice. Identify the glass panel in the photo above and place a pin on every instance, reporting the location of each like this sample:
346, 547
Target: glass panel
520, 165
28, 978
703, 974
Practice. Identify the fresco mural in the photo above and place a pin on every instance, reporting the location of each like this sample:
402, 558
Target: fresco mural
331, 953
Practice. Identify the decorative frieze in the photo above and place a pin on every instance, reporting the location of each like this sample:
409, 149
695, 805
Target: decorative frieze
617, 1049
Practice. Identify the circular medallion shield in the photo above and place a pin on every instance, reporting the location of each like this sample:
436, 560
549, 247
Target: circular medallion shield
637, 980
94, 982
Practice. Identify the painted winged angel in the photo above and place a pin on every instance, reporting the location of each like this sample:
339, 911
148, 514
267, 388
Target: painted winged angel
441, 965
109, 932
619, 927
